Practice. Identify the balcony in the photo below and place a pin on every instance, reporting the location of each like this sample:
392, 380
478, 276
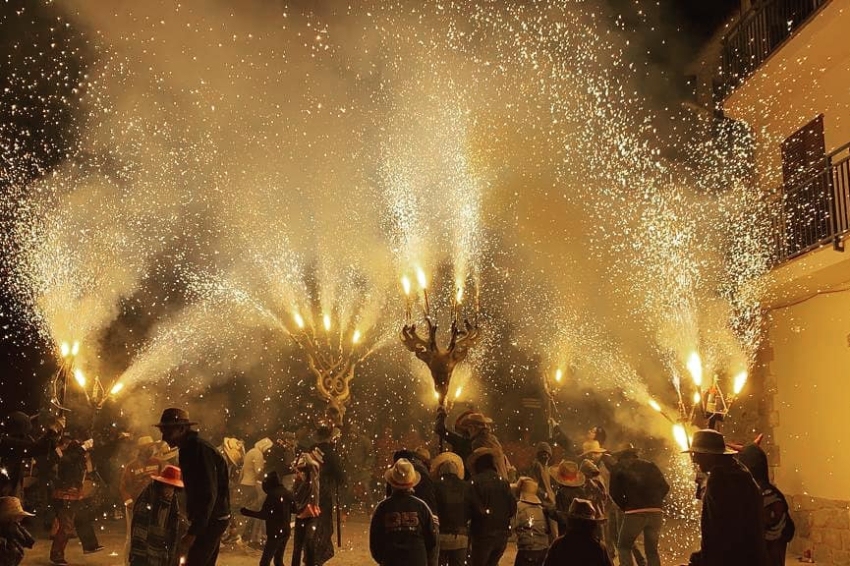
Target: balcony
815, 212
759, 33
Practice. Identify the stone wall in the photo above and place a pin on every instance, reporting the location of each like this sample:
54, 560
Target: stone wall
823, 527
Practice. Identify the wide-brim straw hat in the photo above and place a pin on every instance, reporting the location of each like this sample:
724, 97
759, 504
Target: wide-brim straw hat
444, 457
477, 419
591, 447
234, 449
402, 475
460, 421
708, 441
11, 508
567, 474
588, 468
144, 441
174, 417
170, 475
527, 488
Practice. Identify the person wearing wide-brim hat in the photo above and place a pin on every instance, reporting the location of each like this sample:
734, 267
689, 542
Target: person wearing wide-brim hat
14, 538
459, 439
580, 543
402, 531
156, 521
732, 524
135, 478
207, 487
592, 450
570, 485
453, 507
424, 490
443, 457
567, 474
530, 524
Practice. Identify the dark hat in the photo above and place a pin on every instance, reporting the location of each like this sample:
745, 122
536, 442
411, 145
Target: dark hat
708, 441
629, 451
479, 453
174, 417
583, 510
405, 453
544, 447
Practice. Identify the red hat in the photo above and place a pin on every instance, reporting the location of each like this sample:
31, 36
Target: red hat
170, 475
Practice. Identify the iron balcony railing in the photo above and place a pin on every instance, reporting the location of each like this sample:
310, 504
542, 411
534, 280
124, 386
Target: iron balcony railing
815, 212
758, 33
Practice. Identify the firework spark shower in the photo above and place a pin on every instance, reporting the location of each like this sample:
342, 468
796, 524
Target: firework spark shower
298, 160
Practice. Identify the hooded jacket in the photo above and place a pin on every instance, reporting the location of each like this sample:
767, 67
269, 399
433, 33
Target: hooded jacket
255, 461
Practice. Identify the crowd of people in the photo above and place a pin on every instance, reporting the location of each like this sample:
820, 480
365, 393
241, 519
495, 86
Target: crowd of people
183, 497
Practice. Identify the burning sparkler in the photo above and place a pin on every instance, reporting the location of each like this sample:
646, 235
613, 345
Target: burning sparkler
332, 360
440, 362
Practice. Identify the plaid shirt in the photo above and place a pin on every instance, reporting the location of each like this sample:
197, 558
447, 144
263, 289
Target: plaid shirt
153, 540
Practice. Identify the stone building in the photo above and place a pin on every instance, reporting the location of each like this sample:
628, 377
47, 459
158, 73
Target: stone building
785, 73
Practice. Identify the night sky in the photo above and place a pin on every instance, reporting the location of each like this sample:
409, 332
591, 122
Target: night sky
24, 362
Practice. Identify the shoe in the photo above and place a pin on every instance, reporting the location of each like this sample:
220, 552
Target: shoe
58, 562
98, 548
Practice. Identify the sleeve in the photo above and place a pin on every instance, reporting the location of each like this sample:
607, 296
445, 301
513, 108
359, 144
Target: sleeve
205, 492
660, 482
375, 539
512, 504
709, 526
451, 437
122, 484
552, 555
335, 468
561, 507
429, 531
261, 514
618, 494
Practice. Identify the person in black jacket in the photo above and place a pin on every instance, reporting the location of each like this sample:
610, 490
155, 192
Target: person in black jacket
331, 480
424, 489
276, 512
460, 439
207, 495
580, 544
732, 522
14, 538
16, 446
402, 531
454, 508
638, 488
778, 525
493, 507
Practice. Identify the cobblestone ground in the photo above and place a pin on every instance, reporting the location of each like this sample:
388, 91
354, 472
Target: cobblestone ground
355, 550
